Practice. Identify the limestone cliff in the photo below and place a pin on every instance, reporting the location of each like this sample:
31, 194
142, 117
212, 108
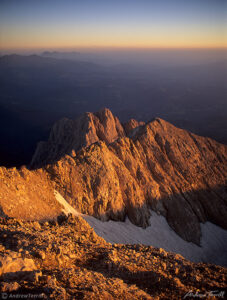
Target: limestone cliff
68, 136
178, 174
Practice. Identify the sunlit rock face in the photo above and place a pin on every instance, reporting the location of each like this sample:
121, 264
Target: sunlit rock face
68, 136
178, 174
111, 172
27, 195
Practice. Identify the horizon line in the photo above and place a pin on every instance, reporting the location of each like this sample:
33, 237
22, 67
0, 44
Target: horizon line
74, 48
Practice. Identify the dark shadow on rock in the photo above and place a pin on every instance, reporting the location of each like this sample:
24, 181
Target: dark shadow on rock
184, 212
11, 241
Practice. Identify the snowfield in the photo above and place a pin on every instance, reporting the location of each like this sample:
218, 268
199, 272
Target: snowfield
159, 234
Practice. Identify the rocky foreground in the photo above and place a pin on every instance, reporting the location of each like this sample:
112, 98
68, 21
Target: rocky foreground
65, 259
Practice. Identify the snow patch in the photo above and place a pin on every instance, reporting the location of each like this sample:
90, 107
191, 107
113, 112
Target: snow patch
68, 209
159, 234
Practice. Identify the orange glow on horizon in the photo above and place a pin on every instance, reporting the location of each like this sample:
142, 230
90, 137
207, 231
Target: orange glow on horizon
113, 47
180, 38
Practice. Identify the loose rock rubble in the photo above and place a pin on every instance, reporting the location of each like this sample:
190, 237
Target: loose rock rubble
65, 259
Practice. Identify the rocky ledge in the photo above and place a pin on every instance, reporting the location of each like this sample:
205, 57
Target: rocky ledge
65, 259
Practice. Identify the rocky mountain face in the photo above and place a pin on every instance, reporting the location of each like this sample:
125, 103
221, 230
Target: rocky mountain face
132, 124
111, 171
28, 195
65, 259
68, 136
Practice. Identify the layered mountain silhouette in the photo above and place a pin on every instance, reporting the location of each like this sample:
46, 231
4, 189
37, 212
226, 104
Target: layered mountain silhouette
112, 170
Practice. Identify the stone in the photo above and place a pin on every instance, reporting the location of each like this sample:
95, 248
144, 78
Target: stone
36, 226
98, 270
40, 254
12, 264
62, 218
178, 282
9, 286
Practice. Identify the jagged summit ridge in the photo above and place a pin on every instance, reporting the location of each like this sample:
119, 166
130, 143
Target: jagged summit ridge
178, 174
70, 135
122, 171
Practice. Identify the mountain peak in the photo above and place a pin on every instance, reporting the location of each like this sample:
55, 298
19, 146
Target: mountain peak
104, 111
109, 170
71, 135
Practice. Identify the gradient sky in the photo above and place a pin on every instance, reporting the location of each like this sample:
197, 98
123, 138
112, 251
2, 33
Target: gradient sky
107, 23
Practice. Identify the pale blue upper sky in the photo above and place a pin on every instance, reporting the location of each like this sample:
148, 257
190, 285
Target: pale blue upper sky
107, 23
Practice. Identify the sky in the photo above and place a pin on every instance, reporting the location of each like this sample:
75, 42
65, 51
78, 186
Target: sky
27, 24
